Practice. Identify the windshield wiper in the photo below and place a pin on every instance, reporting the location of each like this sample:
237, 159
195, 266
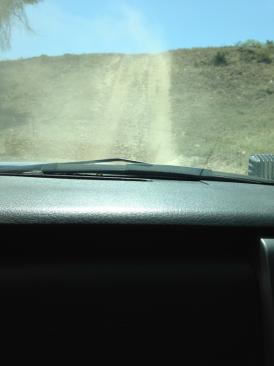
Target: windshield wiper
130, 169
151, 171
136, 170
105, 168
41, 167
111, 160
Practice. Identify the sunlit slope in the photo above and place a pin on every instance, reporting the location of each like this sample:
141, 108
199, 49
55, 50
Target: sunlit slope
223, 112
181, 107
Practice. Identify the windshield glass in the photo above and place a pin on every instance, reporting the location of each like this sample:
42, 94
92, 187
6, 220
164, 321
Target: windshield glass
174, 82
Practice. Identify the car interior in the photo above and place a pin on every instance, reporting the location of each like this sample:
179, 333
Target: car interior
137, 182
165, 269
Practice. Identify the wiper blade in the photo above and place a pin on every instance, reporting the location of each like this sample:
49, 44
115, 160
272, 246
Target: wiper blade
20, 168
131, 169
25, 168
211, 175
87, 169
140, 170
110, 160
152, 171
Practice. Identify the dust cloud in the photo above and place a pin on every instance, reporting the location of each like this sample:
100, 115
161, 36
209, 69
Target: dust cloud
84, 108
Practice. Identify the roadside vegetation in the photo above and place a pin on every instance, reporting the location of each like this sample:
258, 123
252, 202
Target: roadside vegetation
223, 99
12, 12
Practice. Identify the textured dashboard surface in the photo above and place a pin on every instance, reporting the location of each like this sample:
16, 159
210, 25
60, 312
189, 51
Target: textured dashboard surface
27, 200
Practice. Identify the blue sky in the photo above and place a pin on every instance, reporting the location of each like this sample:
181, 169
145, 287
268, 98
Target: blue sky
133, 26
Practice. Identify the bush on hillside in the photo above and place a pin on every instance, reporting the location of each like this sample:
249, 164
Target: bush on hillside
265, 56
270, 43
250, 43
220, 59
261, 54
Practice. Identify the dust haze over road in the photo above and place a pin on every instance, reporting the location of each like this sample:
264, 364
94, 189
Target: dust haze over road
117, 108
139, 110
175, 107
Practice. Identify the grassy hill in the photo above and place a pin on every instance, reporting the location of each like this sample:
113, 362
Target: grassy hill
215, 106
227, 107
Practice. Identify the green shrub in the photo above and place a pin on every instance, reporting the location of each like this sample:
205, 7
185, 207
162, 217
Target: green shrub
261, 55
265, 57
269, 90
220, 59
250, 43
270, 44
44, 58
248, 54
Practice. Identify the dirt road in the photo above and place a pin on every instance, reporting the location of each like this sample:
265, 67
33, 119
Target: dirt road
138, 112
118, 109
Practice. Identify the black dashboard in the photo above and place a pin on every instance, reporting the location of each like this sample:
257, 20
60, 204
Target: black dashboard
27, 200
161, 268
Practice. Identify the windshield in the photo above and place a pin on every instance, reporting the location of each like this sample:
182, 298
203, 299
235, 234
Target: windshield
173, 82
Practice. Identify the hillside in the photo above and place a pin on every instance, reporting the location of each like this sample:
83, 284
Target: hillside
209, 107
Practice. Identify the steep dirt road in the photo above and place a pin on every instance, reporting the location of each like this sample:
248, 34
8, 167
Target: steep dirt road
138, 112
117, 108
